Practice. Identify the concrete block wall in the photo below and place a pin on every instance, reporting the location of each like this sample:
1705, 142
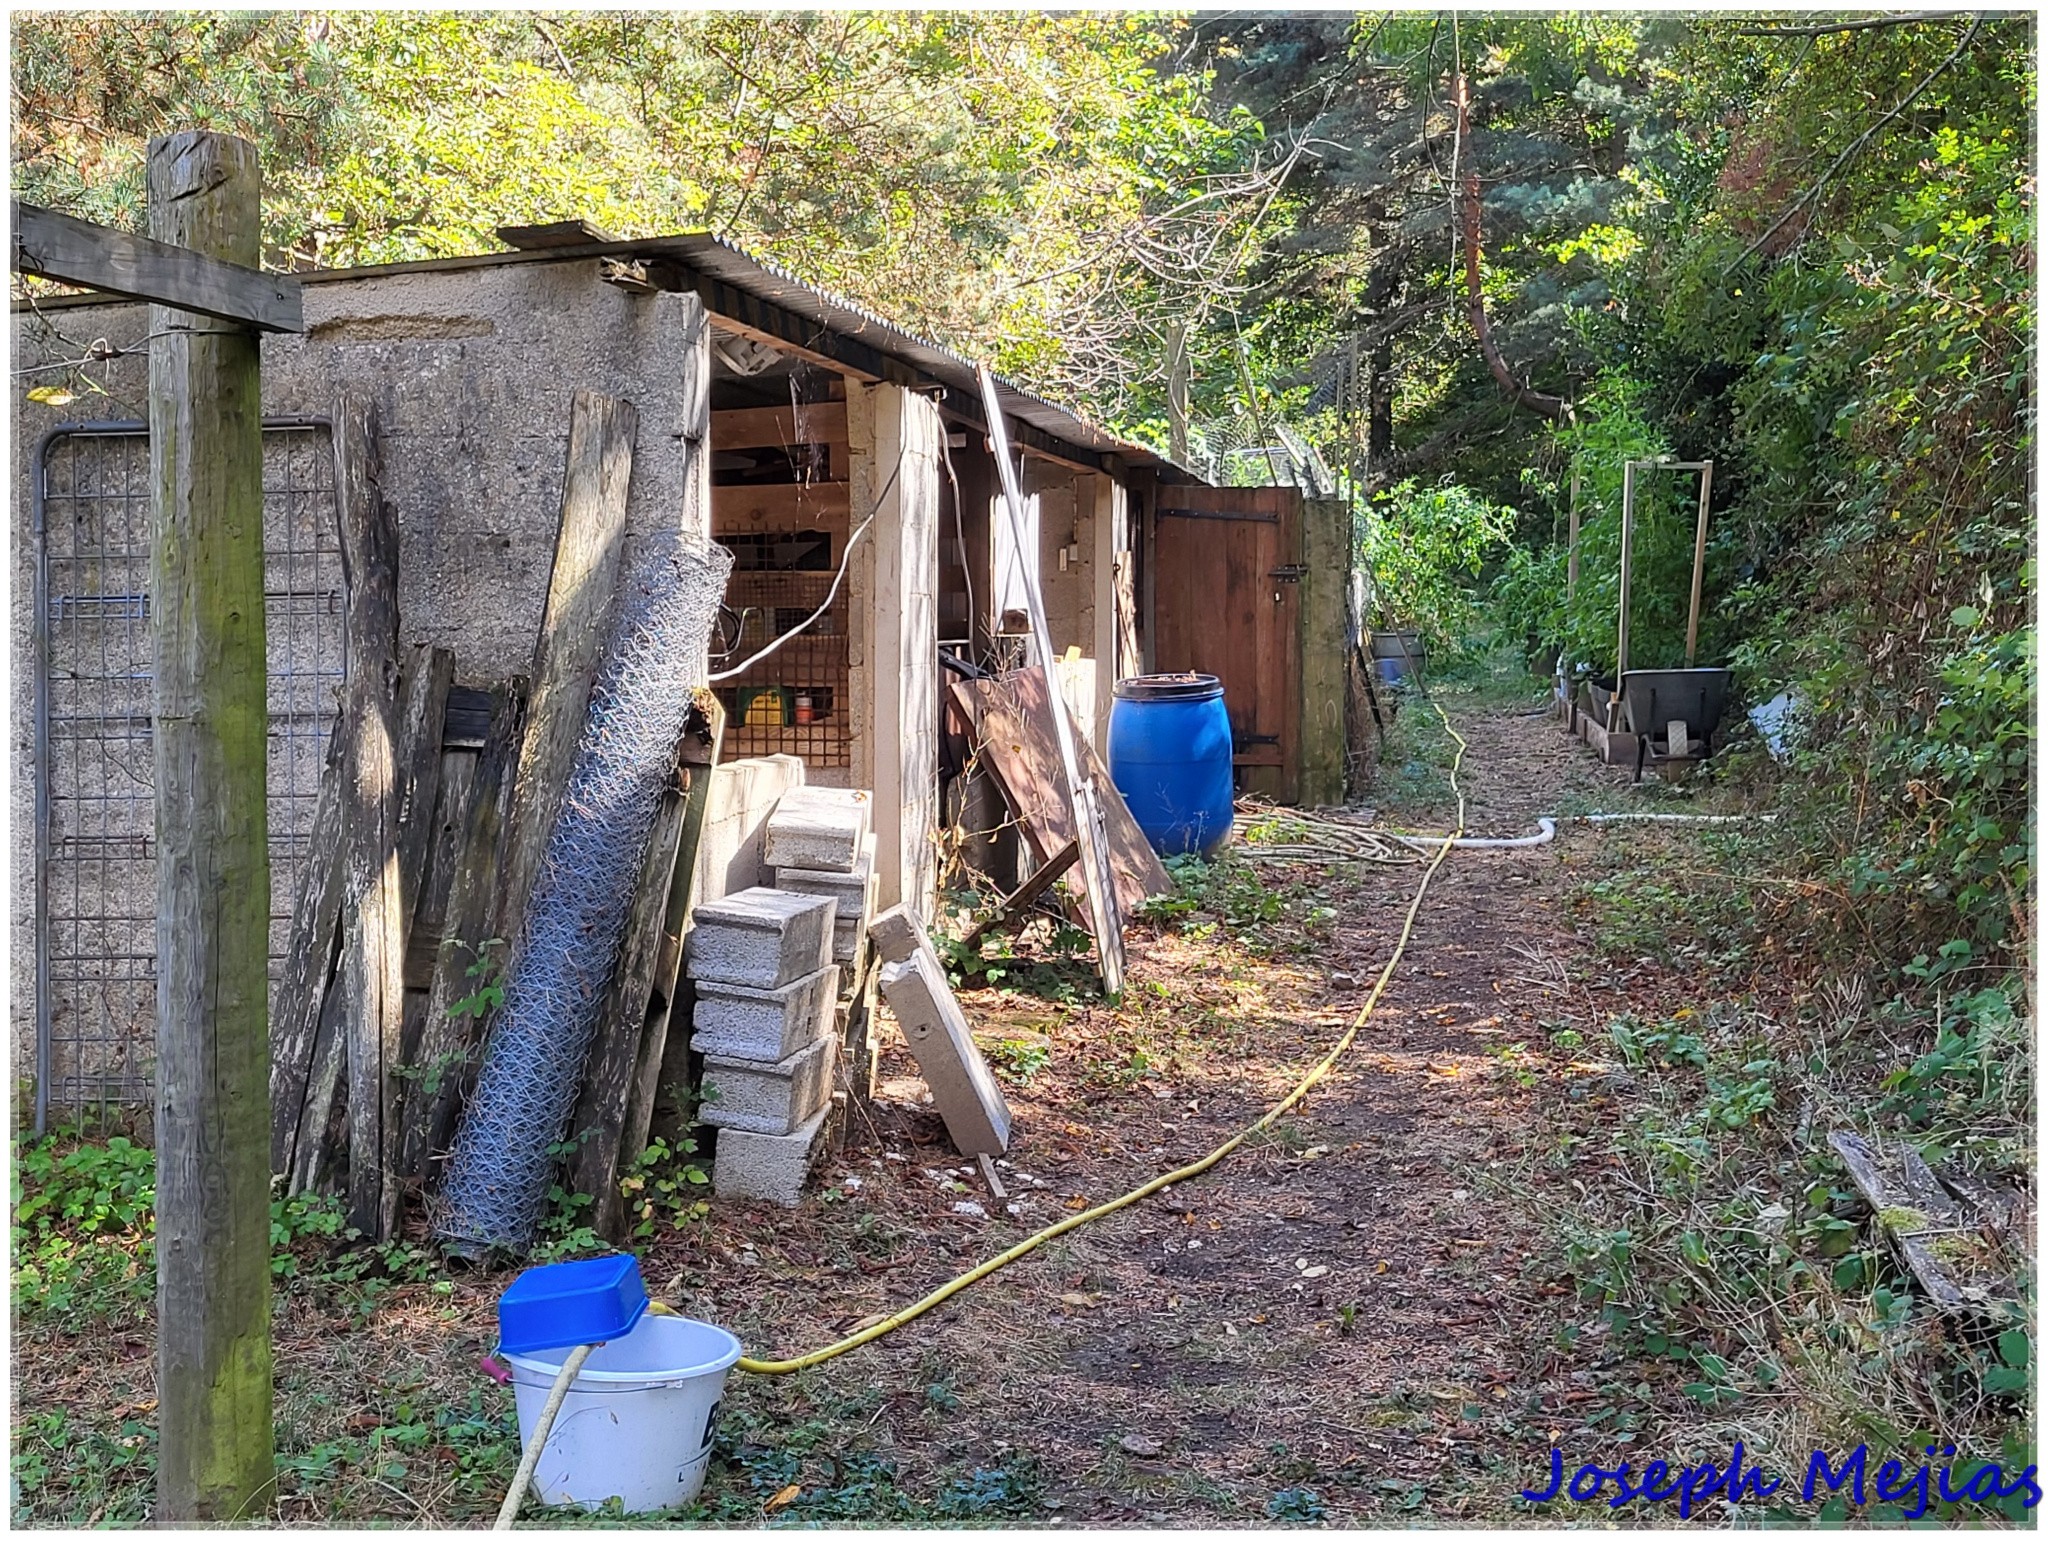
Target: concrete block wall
472, 370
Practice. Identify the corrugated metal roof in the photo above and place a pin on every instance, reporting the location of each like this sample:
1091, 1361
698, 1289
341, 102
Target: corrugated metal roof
720, 259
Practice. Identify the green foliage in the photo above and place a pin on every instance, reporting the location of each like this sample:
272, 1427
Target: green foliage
487, 989
85, 1228
1027, 186
1423, 547
992, 1491
661, 1189
1298, 1505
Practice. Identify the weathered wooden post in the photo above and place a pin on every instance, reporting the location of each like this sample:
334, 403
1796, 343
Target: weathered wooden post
214, 1458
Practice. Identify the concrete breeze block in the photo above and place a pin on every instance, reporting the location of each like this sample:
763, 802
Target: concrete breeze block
769, 1097
853, 892
762, 938
899, 935
742, 1023
818, 828
966, 1095
774, 1167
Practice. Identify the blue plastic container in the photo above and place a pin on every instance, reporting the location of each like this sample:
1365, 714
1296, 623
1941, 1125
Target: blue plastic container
1169, 754
592, 1300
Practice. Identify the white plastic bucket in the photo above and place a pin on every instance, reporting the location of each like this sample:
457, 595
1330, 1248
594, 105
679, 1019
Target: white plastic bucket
637, 1424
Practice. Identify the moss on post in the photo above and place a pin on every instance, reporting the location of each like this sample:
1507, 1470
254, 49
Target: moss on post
215, 1458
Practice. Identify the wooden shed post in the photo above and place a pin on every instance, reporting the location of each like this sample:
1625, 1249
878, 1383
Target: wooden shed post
895, 440
214, 1456
1325, 583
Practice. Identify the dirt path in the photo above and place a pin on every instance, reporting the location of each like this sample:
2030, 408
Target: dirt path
1332, 1325
1327, 1324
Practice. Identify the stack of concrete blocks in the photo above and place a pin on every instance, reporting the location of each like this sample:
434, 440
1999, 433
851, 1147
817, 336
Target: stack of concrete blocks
736, 810
914, 984
851, 887
761, 964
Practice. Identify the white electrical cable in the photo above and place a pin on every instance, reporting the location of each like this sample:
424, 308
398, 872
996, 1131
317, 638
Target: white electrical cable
845, 556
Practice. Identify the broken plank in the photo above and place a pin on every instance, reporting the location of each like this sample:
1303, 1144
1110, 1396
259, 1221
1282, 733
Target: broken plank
988, 1175
588, 548
1012, 718
439, 1062
313, 1147
308, 965
371, 975
1027, 894
1933, 1236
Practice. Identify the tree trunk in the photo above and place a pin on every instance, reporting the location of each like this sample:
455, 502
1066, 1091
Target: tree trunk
214, 1455
1475, 297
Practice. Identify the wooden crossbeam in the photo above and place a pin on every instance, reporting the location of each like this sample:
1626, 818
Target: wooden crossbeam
72, 251
821, 422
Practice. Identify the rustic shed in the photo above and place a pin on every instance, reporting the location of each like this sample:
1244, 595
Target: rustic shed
821, 421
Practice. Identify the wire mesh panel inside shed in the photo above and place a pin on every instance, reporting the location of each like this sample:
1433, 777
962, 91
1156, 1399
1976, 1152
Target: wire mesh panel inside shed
95, 784
787, 543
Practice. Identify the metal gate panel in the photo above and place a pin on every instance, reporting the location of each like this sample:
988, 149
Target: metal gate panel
95, 803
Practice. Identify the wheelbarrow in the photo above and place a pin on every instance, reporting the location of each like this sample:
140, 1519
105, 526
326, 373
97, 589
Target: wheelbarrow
1673, 712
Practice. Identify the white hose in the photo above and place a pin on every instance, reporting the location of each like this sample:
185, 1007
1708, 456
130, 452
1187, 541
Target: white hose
509, 1510
1547, 832
1673, 818
1547, 829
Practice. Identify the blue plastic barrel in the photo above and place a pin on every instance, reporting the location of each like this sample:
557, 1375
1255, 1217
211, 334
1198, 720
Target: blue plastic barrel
1169, 754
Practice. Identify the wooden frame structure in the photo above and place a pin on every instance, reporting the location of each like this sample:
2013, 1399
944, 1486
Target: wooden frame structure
215, 1453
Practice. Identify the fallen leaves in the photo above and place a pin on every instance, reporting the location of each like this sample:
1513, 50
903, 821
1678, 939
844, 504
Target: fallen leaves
783, 1499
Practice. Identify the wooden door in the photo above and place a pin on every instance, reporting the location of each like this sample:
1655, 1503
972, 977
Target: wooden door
1227, 602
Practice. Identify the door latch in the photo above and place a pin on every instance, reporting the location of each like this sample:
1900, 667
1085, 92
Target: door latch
1292, 573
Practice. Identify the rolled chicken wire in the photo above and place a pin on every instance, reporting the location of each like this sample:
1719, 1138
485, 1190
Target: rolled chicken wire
574, 924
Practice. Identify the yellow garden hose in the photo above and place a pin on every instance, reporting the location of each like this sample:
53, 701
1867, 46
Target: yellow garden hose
1003, 1260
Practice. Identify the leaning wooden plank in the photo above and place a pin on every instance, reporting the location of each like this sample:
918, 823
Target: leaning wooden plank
1937, 1240
308, 965
372, 970
422, 714
444, 849
439, 1062
1013, 722
1086, 814
135, 267
588, 547
669, 995
1027, 894
312, 1150
598, 1128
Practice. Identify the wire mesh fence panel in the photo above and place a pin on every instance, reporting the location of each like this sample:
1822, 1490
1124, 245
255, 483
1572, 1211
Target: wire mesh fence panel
798, 700
94, 780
